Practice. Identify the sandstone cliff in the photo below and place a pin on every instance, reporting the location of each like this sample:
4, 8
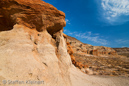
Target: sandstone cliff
33, 47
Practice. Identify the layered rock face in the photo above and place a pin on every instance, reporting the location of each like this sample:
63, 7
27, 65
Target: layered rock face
122, 51
77, 64
81, 48
34, 14
99, 60
32, 46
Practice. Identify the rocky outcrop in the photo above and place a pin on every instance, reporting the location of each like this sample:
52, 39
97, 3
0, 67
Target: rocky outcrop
33, 49
34, 14
79, 47
77, 64
122, 51
100, 60
32, 46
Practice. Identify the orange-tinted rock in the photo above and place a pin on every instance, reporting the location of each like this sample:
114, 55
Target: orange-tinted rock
84, 51
34, 14
69, 48
65, 36
77, 64
122, 51
79, 47
85, 66
31, 52
95, 52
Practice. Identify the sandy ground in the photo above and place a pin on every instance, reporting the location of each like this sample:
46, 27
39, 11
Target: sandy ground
80, 79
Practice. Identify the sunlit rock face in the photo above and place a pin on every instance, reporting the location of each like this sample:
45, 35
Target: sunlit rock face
34, 14
122, 51
32, 46
81, 48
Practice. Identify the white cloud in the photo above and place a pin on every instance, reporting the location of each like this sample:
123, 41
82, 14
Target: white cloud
122, 41
65, 30
96, 34
94, 37
67, 21
113, 9
89, 32
123, 46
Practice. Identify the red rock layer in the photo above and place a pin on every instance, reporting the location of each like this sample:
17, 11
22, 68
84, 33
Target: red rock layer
99, 52
35, 14
77, 64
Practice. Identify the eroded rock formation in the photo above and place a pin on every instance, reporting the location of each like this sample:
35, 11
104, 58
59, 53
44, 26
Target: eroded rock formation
34, 14
32, 46
81, 48
100, 60
77, 64
122, 51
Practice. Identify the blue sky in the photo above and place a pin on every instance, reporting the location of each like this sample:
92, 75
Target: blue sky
96, 22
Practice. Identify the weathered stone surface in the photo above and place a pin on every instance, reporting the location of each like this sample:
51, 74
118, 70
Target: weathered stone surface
34, 14
79, 47
122, 51
28, 49
77, 64
32, 46
101, 60
22, 54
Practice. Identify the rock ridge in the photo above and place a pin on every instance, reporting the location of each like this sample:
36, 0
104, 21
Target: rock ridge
82, 48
